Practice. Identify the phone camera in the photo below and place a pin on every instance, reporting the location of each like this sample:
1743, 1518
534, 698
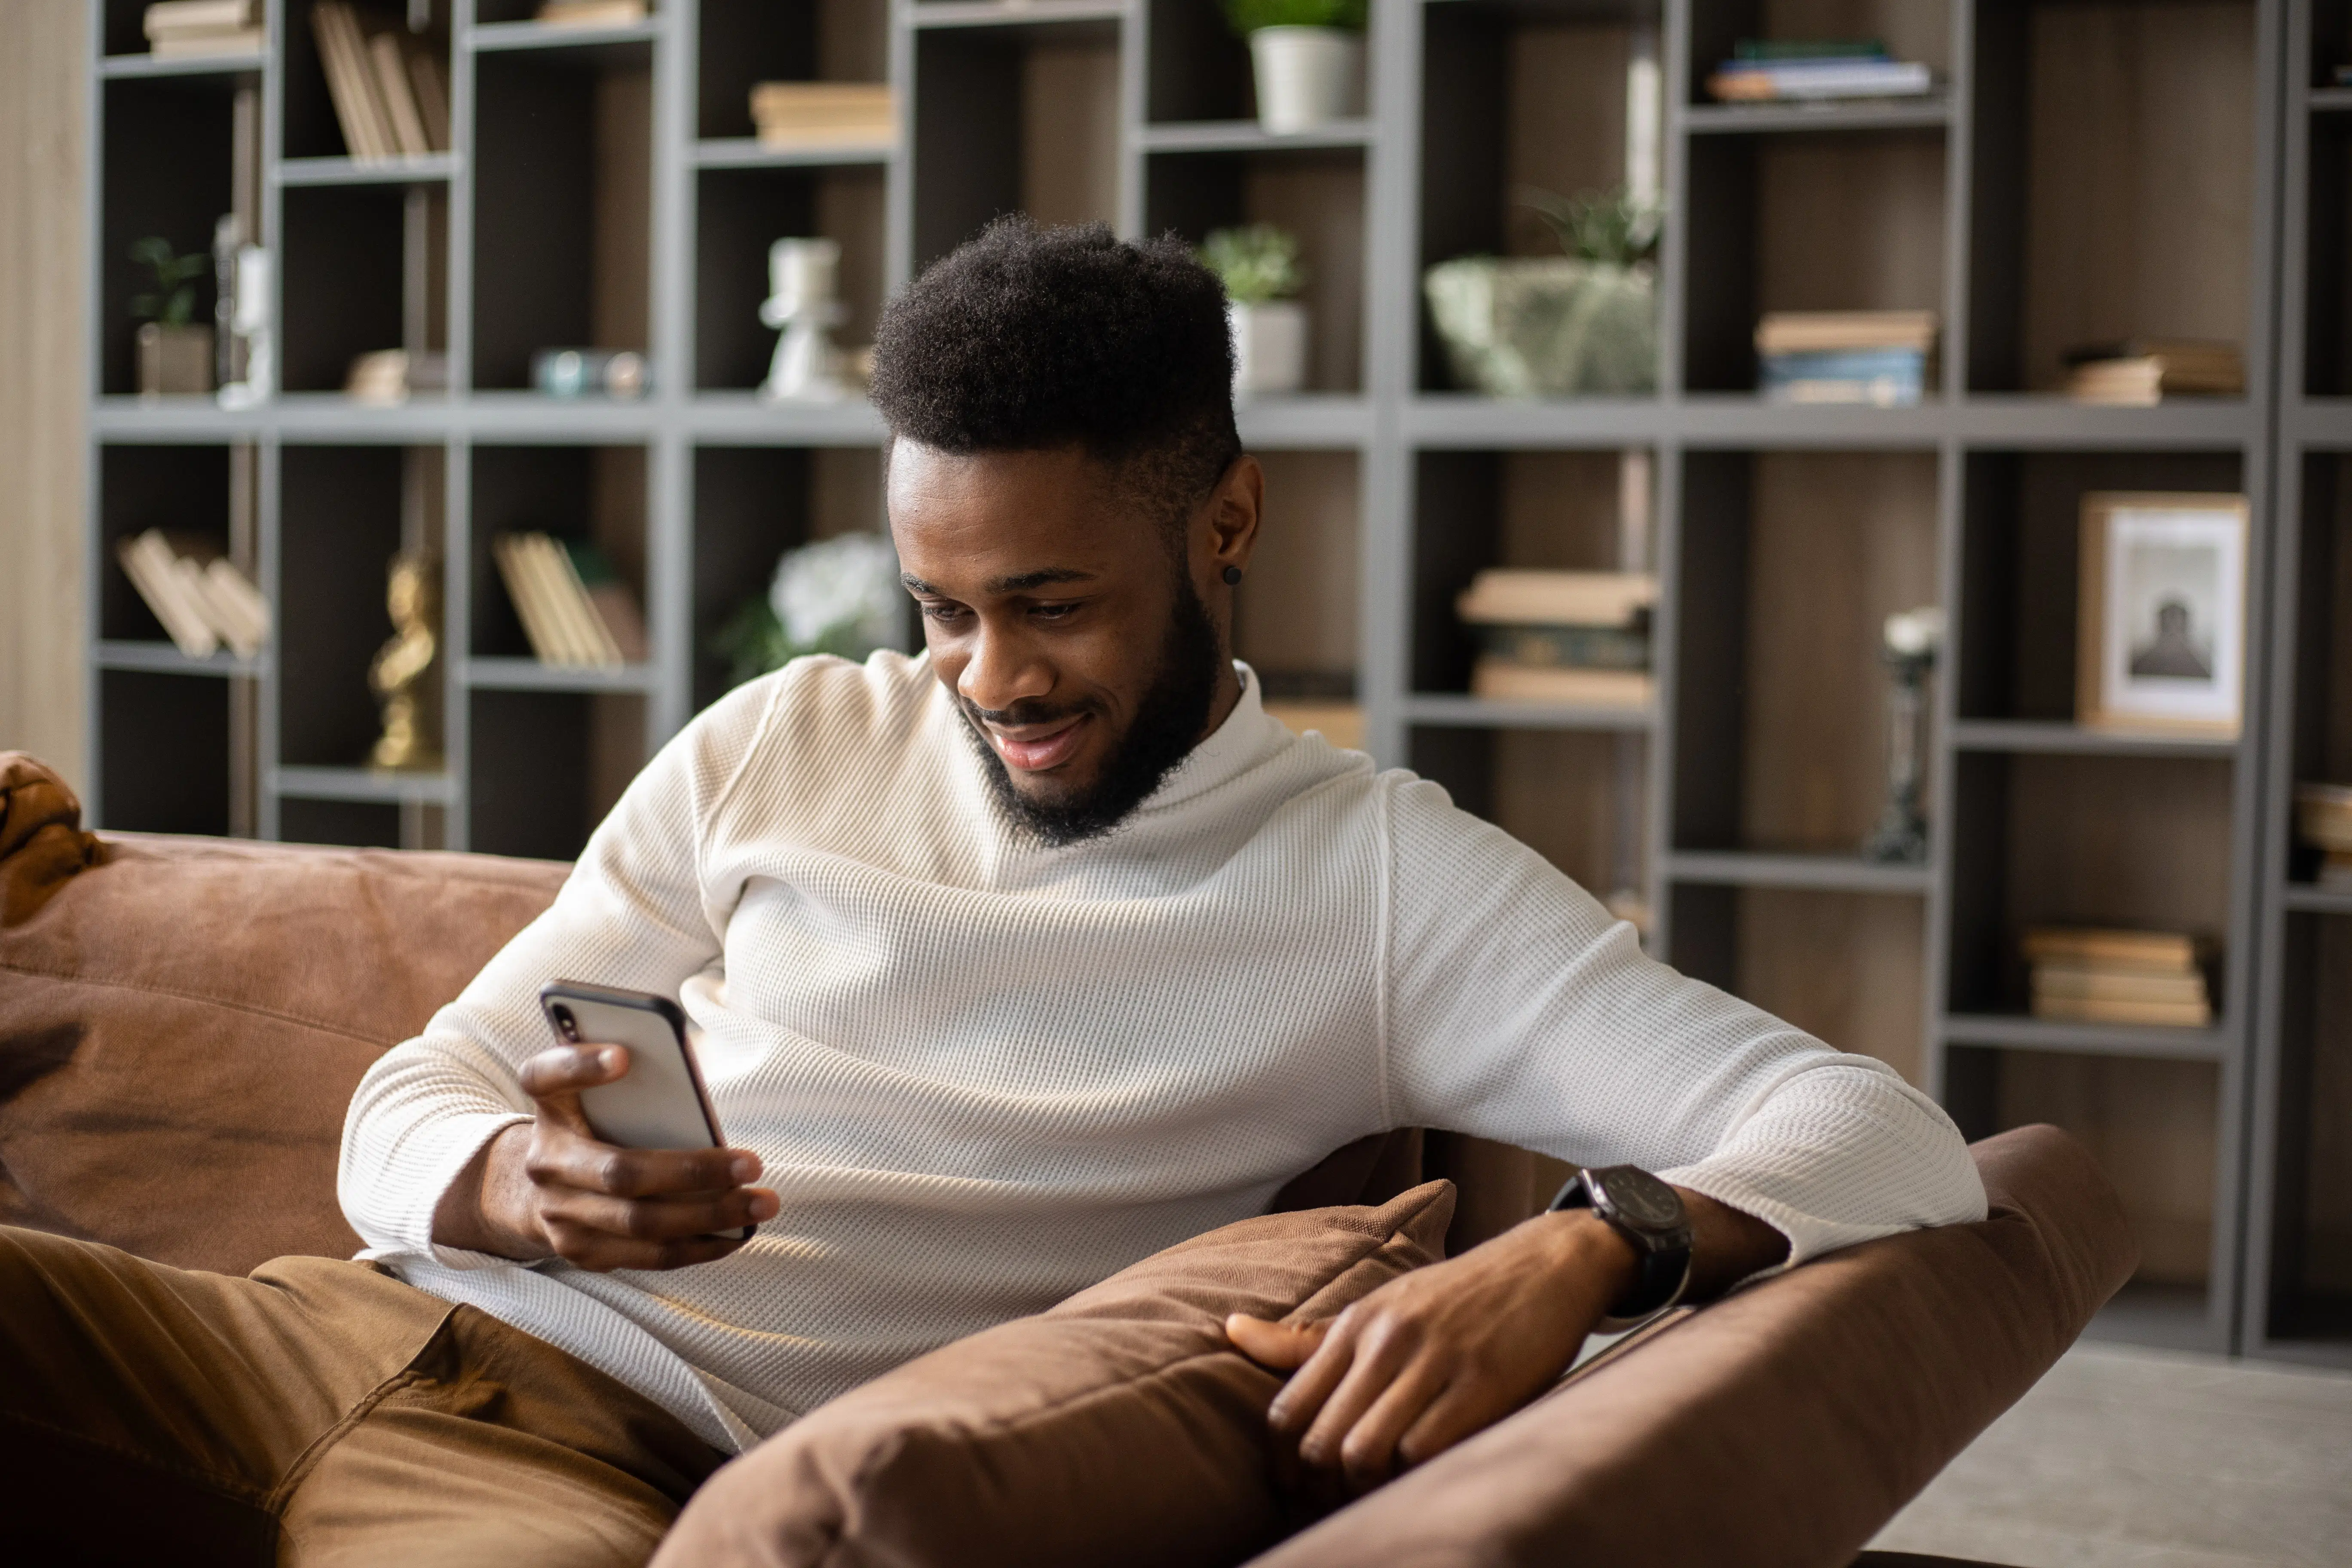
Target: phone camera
566, 1023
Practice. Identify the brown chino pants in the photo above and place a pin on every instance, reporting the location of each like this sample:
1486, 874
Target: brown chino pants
315, 1413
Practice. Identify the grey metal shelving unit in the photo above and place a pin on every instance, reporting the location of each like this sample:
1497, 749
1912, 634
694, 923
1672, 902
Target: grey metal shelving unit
605, 188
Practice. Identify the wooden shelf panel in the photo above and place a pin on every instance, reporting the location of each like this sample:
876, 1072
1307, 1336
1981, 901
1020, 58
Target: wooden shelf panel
131, 68
2329, 100
1249, 136
750, 152
1843, 117
165, 658
1084, 15
504, 38
1305, 419
1766, 868
1445, 710
529, 675
2305, 898
2074, 740
2017, 1032
360, 784
438, 169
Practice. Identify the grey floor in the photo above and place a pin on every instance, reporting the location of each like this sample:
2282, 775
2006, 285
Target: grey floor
2131, 1458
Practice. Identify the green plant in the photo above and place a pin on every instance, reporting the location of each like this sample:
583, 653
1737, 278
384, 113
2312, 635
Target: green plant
1607, 227
175, 298
1246, 16
1256, 262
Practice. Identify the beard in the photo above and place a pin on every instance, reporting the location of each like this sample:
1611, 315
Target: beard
1167, 725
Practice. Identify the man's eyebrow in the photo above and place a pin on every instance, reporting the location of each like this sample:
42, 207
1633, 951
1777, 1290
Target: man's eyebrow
1021, 582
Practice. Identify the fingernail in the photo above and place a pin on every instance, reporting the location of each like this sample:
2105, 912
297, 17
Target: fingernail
743, 1168
609, 1058
764, 1206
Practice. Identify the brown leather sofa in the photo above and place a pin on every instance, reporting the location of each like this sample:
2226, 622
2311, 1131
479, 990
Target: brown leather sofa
182, 1022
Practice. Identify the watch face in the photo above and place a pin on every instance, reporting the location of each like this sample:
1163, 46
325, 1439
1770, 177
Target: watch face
1642, 1199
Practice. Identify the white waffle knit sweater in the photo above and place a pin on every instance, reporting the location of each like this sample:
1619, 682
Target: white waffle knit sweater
984, 1074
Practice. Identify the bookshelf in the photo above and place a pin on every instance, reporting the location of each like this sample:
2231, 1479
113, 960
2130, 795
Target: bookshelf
604, 189
2298, 1278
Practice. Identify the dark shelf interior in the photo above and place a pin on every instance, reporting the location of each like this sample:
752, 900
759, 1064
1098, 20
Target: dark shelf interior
339, 526
174, 186
742, 211
164, 750
342, 292
357, 824
1200, 70
547, 766
180, 490
563, 199
1791, 561
746, 42
2310, 1284
2080, 840
590, 494
2018, 578
1294, 615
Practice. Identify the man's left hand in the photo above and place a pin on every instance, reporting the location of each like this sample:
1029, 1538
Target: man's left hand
1440, 1352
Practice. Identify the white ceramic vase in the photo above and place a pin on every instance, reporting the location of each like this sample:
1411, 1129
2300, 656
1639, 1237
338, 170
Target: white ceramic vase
1269, 346
1308, 76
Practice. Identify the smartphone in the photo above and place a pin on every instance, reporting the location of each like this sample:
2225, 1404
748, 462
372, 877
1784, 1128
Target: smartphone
661, 1102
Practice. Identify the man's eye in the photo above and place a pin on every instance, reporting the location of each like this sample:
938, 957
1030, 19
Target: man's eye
1053, 611
943, 612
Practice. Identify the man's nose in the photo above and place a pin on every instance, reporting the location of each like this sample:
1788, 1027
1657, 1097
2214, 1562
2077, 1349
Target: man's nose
1004, 668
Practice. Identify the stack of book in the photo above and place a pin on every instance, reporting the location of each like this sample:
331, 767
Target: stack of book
1580, 637
202, 600
2323, 815
793, 114
1767, 71
573, 607
390, 96
385, 378
1875, 357
2141, 371
592, 13
2087, 975
178, 29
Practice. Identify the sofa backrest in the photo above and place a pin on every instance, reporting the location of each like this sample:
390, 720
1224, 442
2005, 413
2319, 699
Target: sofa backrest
182, 1020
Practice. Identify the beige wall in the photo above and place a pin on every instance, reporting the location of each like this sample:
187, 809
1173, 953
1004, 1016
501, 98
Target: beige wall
41, 380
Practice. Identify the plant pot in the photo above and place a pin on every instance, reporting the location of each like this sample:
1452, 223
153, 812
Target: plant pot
1269, 346
1545, 327
1308, 76
175, 360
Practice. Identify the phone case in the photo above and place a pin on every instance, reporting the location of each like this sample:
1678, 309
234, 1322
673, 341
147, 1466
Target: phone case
661, 1103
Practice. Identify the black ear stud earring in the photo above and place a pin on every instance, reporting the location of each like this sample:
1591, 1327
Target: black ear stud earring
1232, 575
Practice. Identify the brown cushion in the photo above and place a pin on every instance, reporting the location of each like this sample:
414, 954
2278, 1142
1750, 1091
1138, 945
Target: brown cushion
1116, 1428
1803, 1413
182, 1020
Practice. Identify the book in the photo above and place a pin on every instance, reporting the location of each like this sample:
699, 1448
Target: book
1516, 597
1818, 80
2161, 952
592, 13
189, 45
391, 66
823, 114
1773, 49
352, 84
2143, 370
2335, 870
200, 16
2079, 1010
1831, 332
1573, 648
385, 377
574, 607
424, 81
2101, 983
1881, 378
1505, 683
201, 598
1341, 724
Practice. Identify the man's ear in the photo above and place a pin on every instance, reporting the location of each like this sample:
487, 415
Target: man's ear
1231, 513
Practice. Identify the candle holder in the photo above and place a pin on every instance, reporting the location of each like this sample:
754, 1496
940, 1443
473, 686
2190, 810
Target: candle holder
1911, 640
802, 303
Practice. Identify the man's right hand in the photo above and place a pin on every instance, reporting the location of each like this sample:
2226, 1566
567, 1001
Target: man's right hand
548, 1188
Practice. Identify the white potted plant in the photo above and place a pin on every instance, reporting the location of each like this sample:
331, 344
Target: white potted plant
1308, 56
1585, 321
1258, 264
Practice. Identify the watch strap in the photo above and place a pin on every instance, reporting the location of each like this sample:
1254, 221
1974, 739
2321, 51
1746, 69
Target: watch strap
1663, 1268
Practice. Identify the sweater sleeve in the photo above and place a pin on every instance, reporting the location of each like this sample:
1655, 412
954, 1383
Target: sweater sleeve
633, 914
1518, 1010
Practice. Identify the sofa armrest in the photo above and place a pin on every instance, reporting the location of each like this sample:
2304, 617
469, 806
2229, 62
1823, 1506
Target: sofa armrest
1785, 1425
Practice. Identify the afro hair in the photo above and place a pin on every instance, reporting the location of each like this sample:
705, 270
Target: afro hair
1026, 337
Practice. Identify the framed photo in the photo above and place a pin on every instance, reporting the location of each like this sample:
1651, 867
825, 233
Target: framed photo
2163, 625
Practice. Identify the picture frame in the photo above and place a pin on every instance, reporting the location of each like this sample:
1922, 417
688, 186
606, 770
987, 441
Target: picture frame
2161, 635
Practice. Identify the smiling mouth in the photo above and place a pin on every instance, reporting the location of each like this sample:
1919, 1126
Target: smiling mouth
1036, 748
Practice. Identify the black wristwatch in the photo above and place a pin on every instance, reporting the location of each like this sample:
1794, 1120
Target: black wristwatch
1648, 1213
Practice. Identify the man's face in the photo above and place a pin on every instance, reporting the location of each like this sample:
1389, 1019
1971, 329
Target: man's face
1069, 623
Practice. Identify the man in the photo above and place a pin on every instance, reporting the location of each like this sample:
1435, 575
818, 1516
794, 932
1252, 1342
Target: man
1011, 965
